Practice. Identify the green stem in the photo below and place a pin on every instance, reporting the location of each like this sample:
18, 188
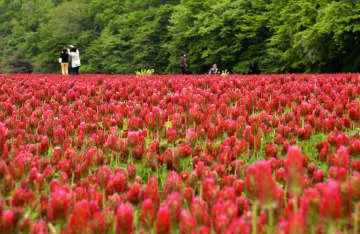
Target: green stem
254, 217
117, 158
295, 205
356, 220
332, 228
103, 197
72, 180
271, 220
131, 160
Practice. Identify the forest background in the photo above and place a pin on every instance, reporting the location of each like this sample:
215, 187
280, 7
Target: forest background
122, 36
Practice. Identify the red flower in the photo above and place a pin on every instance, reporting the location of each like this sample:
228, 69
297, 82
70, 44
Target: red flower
331, 203
173, 202
279, 139
354, 114
318, 176
271, 151
238, 167
134, 193
79, 219
199, 211
355, 184
131, 170
173, 183
242, 205
323, 154
227, 194
21, 197
238, 226
103, 175
59, 204
280, 175
204, 230
183, 150
221, 224
294, 170
151, 191
163, 221
230, 127
188, 223
212, 132
3, 132
56, 156
294, 225
44, 145
209, 191
17, 168
125, 219
343, 158
134, 138
59, 136
259, 182
227, 208
172, 161
311, 168
188, 195
120, 180
338, 173
191, 136
39, 227
7, 221
97, 223
147, 214
354, 148
171, 134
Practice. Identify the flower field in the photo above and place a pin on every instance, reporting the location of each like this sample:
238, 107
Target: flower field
180, 154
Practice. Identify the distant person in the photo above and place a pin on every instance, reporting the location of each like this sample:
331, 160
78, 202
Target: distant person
64, 61
213, 69
183, 64
75, 60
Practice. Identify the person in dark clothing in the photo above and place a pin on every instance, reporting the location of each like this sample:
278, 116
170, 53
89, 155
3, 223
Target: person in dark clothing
64, 61
183, 63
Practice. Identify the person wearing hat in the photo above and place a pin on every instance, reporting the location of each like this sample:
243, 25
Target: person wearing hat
75, 60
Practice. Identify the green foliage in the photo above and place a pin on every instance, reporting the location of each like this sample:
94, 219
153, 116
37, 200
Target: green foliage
145, 72
243, 36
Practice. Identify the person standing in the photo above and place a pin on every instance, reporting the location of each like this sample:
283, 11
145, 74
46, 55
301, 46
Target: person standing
75, 60
183, 63
64, 61
213, 69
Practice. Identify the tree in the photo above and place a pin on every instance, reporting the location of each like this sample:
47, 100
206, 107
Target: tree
289, 20
131, 41
65, 26
338, 25
243, 36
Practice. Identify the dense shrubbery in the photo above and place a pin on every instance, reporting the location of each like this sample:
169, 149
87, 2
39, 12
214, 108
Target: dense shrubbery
243, 36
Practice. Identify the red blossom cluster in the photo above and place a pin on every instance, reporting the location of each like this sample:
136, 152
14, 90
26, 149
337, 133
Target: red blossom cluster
180, 154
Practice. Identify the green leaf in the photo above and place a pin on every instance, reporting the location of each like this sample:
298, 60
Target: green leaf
168, 124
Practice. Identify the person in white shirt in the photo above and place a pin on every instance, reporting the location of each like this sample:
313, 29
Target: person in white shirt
75, 60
